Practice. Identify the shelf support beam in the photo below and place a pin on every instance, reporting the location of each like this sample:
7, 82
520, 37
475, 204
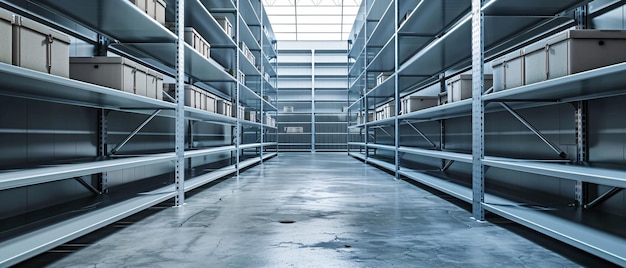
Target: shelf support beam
536, 131
421, 133
132, 134
88, 186
610, 193
478, 112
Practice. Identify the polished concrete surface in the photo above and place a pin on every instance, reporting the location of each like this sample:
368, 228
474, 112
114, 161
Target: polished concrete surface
313, 210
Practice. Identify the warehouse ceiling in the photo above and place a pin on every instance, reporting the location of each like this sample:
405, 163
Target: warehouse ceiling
312, 19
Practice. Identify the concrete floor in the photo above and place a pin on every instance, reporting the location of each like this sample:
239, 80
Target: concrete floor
321, 210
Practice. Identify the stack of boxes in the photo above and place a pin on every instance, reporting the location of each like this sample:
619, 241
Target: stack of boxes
153, 8
382, 77
460, 87
224, 107
225, 24
247, 53
268, 120
195, 97
565, 53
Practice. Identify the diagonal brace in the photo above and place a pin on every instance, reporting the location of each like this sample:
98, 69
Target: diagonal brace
610, 193
447, 166
421, 134
132, 134
525, 122
87, 185
386, 132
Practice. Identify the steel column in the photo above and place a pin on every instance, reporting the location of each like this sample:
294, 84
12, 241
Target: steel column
103, 179
313, 100
179, 179
237, 133
582, 191
396, 93
478, 112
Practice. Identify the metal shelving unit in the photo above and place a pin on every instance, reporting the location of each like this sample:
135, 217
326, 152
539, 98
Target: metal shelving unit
121, 28
421, 44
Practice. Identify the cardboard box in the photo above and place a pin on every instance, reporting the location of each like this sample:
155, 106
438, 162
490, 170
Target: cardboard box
192, 96
211, 102
7, 19
114, 72
40, 48
153, 8
571, 52
415, 103
250, 116
460, 86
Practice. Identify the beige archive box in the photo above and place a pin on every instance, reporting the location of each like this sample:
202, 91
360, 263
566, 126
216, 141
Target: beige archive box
7, 19
415, 103
225, 24
211, 102
508, 71
193, 95
251, 116
153, 8
224, 107
116, 72
460, 86
154, 85
571, 52
40, 48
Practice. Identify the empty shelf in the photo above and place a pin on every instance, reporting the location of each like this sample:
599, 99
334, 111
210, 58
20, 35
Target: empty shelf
28, 245
601, 176
13, 179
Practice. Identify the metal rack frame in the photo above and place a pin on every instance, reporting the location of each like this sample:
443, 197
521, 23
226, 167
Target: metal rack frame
424, 53
149, 42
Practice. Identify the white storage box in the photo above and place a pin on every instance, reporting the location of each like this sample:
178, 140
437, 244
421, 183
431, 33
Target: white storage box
380, 112
114, 72
211, 102
443, 98
225, 24
193, 95
251, 116
382, 77
266, 76
294, 129
194, 39
153, 8
7, 19
415, 103
389, 110
240, 113
40, 48
224, 107
154, 85
571, 52
267, 98
288, 109
241, 77
508, 71
159, 11
460, 86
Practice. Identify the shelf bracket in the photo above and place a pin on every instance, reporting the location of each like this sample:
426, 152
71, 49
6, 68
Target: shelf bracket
132, 134
103, 45
421, 133
447, 165
87, 185
528, 125
610, 193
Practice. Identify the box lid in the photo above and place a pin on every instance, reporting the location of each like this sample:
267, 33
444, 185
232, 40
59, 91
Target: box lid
161, 2
155, 73
466, 77
108, 60
7, 16
576, 34
38, 27
508, 57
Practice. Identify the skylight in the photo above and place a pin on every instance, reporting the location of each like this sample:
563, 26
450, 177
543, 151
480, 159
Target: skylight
312, 19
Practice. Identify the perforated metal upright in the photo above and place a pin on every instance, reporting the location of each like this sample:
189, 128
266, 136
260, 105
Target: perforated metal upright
478, 112
180, 104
